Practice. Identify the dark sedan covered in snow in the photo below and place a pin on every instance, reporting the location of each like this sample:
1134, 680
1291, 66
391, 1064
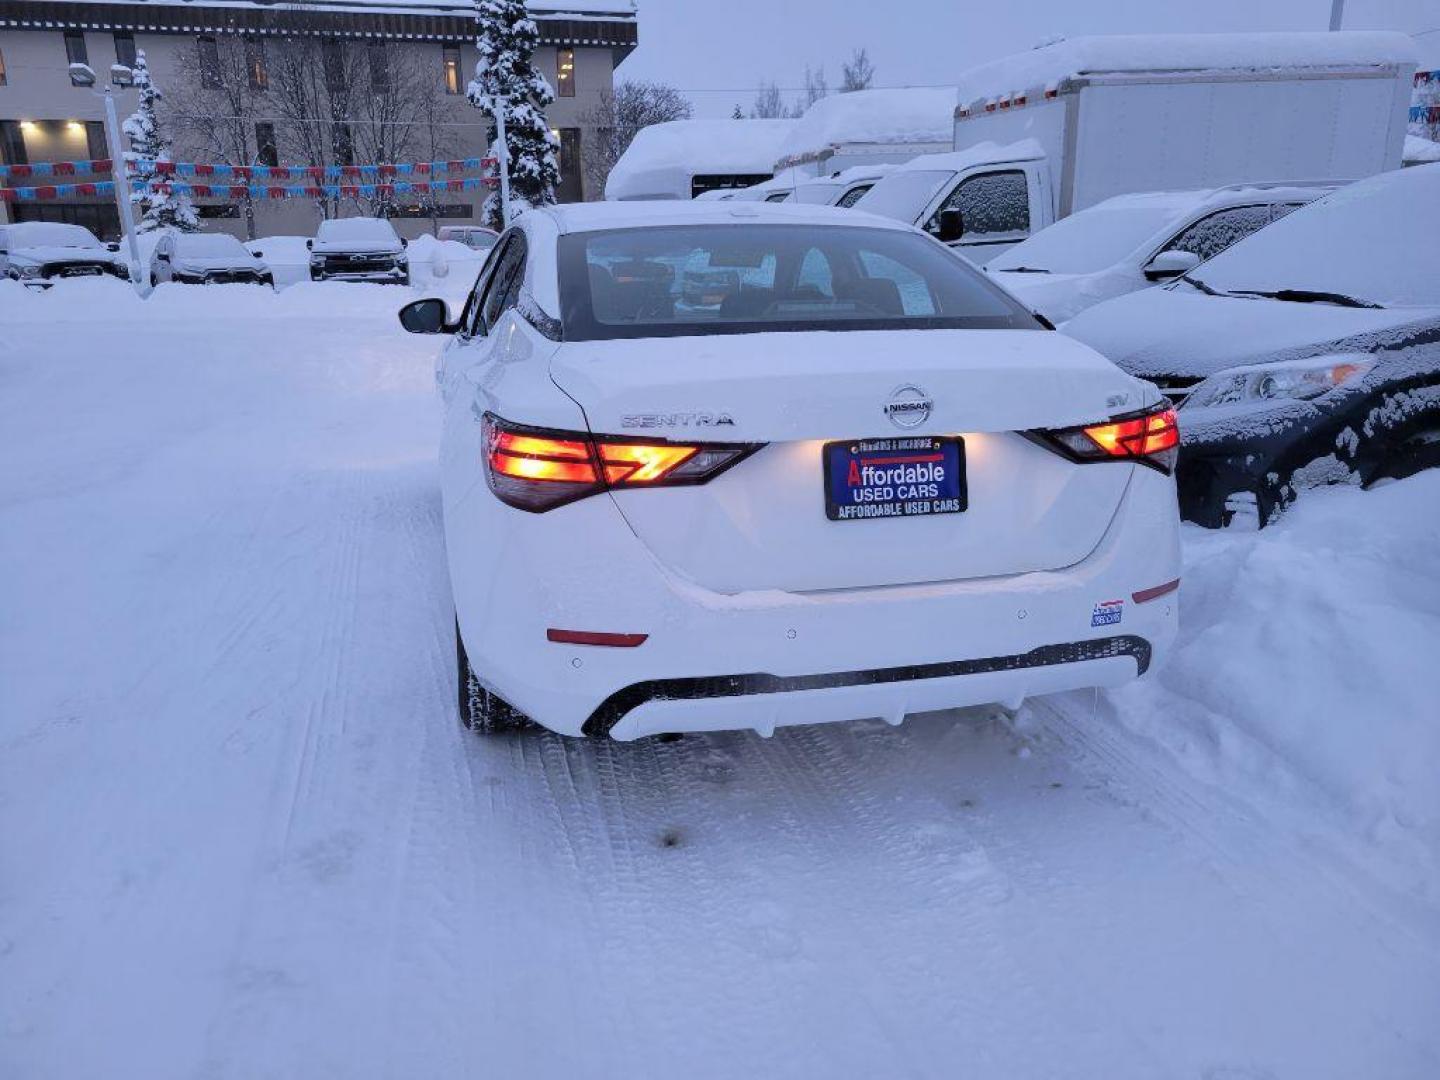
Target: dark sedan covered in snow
1308, 353
38, 253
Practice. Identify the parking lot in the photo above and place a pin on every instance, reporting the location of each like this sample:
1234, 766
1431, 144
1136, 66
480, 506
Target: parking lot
246, 835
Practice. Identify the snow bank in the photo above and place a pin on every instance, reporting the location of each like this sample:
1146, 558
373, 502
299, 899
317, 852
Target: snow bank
1051, 65
1420, 151
918, 115
1303, 679
662, 158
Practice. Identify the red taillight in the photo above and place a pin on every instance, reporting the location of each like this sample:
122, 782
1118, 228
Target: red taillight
537, 469
1151, 438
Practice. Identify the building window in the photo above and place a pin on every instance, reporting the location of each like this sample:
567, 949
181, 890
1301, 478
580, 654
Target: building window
569, 188
95, 143
2, 68
266, 151
332, 58
255, 63
379, 68
342, 143
452, 69
75, 52
124, 52
12, 143
209, 62
565, 72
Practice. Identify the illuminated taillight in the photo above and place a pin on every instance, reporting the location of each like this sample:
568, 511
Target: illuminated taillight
1150, 438
538, 469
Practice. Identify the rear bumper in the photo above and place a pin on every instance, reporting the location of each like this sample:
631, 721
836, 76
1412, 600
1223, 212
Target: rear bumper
765, 702
715, 661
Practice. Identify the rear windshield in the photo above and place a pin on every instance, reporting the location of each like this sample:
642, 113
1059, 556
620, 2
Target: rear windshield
760, 278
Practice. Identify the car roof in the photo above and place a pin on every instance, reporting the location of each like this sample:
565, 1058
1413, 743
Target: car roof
595, 216
1230, 195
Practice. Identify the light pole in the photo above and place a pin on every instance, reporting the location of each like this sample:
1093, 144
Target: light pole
1337, 13
84, 75
496, 106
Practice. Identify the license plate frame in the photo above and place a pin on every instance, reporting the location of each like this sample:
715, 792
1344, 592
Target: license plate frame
909, 462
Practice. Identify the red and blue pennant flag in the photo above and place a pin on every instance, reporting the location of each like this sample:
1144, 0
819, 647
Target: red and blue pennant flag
55, 168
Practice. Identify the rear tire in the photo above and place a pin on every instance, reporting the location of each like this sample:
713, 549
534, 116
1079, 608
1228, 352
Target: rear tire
482, 711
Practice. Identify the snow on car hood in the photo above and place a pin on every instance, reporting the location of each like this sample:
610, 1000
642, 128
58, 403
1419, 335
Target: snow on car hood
204, 266
1063, 296
1181, 331
63, 254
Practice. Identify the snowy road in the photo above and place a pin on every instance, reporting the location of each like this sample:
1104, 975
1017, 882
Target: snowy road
244, 835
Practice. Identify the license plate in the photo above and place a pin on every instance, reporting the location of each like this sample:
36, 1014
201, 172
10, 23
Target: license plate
890, 478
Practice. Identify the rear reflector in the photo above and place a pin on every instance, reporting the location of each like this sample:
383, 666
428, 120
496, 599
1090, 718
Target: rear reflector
1155, 593
590, 637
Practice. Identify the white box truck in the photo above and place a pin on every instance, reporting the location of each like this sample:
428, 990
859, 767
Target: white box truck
868, 127
1042, 134
680, 159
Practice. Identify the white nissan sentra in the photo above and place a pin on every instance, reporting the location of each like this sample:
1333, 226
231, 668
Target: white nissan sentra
849, 477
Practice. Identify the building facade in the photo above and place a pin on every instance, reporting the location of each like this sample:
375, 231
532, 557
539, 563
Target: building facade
325, 83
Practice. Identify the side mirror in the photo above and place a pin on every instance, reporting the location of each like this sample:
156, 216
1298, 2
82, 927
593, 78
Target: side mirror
112, 247
429, 316
404, 242
309, 245
1170, 264
163, 256
257, 254
952, 225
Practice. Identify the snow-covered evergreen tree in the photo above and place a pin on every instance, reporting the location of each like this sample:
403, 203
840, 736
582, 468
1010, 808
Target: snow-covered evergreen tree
507, 38
153, 209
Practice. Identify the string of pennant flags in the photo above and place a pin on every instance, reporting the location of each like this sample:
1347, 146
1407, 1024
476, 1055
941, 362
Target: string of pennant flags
313, 172
381, 180
56, 168
1425, 114
254, 191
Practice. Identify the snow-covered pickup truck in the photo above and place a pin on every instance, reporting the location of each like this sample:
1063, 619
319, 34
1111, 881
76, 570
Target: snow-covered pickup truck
1307, 353
358, 249
36, 253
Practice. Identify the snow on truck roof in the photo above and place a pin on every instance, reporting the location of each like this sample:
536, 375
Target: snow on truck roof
663, 157
896, 116
1073, 58
981, 153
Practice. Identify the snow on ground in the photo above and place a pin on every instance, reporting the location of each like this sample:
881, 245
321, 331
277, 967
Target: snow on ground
245, 835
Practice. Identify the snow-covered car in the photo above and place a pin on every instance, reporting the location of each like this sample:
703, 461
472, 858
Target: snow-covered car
39, 252
206, 259
476, 237
866, 483
1133, 241
358, 249
1307, 353
843, 189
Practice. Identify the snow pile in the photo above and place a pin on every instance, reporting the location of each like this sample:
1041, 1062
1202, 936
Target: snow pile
1066, 59
1303, 678
660, 161
900, 116
432, 258
1420, 151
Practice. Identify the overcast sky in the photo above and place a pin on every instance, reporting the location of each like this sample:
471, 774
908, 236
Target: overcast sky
718, 51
